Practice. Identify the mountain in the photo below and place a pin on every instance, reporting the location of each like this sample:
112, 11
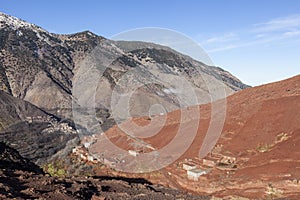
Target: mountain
34, 65
46, 78
159, 53
256, 155
51, 70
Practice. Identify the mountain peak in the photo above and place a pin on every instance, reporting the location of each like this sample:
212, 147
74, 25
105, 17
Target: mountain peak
16, 23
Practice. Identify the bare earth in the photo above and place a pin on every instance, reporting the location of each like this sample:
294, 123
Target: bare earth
261, 131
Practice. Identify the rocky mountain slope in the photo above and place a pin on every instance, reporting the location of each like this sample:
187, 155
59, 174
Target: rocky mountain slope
21, 179
11, 159
260, 138
44, 68
160, 54
42, 73
33, 132
14, 110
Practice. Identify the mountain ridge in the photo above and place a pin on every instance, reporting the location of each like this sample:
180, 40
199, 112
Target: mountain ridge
34, 61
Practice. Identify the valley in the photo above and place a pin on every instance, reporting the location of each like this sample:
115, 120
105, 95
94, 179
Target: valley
86, 117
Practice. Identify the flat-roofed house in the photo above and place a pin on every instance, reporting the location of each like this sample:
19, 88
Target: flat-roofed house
133, 153
194, 174
188, 166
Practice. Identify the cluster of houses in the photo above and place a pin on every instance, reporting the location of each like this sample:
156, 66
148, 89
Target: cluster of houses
194, 167
197, 167
63, 127
83, 154
56, 126
39, 119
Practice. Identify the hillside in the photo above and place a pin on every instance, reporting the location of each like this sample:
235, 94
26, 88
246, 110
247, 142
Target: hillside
36, 134
260, 139
14, 110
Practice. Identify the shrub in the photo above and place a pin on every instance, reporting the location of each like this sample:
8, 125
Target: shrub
55, 169
263, 148
273, 193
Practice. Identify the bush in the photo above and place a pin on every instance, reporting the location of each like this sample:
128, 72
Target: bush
55, 169
263, 148
273, 193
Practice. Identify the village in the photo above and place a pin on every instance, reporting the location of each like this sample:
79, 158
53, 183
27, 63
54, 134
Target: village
55, 125
193, 168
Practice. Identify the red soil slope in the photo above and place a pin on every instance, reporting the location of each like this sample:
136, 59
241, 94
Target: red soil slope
261, 129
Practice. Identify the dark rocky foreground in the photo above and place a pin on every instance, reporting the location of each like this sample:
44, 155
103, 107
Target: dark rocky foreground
36, 134
21, 179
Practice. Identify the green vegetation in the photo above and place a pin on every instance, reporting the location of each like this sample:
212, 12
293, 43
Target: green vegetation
279, 138
273, 193
263, 148
55, 169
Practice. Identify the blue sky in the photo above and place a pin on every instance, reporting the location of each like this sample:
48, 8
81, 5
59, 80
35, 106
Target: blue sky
256, 40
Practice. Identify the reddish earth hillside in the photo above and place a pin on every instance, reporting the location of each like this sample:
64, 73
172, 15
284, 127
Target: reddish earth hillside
261, 136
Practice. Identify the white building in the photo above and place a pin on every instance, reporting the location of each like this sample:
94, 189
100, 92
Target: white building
74, 150
188, 166
83, 156
194, 174
87, 144
133, 153
90, 158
